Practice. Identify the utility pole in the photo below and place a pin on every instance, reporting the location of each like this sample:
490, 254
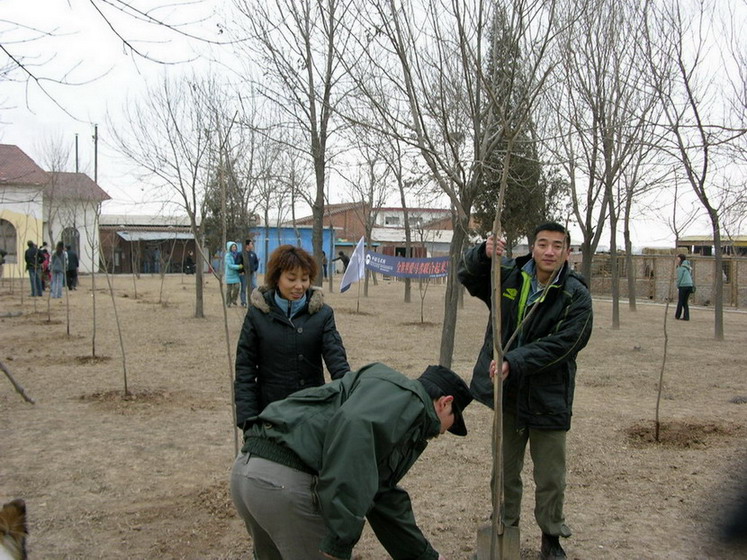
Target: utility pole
96, 154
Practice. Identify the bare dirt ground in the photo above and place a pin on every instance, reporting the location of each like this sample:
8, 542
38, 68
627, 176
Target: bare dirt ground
145, 476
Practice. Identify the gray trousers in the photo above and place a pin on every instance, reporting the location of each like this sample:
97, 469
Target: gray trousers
547, 449
279, 509
232, 293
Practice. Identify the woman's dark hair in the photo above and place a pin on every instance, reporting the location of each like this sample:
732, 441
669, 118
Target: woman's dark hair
682, 258
60, 248
288, 257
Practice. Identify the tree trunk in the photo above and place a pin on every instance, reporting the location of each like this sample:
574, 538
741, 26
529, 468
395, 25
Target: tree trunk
408, 240
587, 256
614, 270
452, 298
629, 266
203, 257
718, 283
317, 209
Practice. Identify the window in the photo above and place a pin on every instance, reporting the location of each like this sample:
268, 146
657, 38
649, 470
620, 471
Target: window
391, 220
8, 241
71, 237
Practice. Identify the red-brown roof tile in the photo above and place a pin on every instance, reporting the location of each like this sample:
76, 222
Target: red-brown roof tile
78, 186
16, 168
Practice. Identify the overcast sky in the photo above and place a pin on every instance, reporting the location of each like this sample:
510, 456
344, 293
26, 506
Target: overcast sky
73, 43
83, 50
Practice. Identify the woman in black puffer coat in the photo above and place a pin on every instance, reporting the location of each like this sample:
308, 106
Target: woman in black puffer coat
287, 331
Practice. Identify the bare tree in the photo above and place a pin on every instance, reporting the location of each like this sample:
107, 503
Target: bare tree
398, 157
377, 110
368, 186
56, 158
734, 213
296, 44
639, 178
613, 101
172, 131
27, 55
435, 55
92, 210
120, 334
677, 38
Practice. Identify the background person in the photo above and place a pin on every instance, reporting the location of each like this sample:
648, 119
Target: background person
46, 276
231, 273
314, 466
58, 266
248, 258
344, 258
189, 263
539, 368
33, 259
685, 286
287, 332
72, 269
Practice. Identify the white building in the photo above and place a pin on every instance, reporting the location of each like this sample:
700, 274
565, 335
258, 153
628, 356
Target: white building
38, 206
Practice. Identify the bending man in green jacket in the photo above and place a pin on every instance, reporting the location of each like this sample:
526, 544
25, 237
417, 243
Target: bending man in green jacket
317, 464
539, 368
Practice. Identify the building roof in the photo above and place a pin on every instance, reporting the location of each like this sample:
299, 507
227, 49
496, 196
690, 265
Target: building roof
329, 210
333, 209
78, 186
736, 240
16, 168
415, 210
143, 221
154, 235
397, 235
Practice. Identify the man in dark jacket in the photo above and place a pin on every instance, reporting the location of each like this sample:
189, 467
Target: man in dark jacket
34, 259
344, 258
315, 465
71, 273
248, 258
539, 367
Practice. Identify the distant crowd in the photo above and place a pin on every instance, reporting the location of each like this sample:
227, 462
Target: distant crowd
55, 270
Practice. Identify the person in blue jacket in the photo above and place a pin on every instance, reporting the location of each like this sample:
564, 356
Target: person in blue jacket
231, 272
685, 287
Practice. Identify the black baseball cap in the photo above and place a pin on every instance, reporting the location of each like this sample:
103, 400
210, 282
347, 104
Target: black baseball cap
450, 384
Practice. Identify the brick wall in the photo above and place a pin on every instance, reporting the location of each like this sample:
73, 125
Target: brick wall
656, 278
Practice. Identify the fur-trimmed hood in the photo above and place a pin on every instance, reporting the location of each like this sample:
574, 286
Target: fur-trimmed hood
277, 356
262, 299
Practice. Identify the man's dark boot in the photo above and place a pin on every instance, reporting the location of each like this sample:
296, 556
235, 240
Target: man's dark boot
551, 549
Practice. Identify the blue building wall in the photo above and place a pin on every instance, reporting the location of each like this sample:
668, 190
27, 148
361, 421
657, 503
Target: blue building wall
267, 239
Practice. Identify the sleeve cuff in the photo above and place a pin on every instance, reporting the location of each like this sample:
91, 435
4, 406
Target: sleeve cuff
335, 547
482, 256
